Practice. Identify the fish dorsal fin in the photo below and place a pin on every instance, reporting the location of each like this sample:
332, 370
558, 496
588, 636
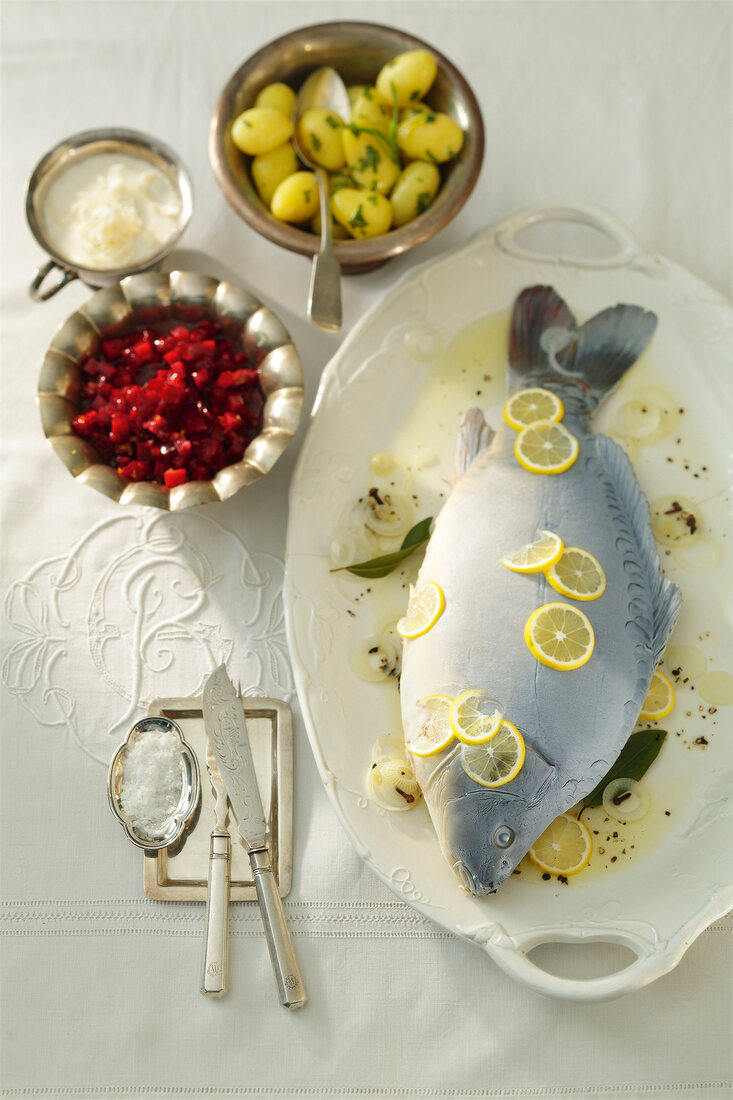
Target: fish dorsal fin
474, 436
666, 597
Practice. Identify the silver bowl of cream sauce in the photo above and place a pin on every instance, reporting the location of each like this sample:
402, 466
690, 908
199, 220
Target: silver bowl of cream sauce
104, 204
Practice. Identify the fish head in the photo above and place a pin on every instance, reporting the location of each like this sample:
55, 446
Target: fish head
486, 831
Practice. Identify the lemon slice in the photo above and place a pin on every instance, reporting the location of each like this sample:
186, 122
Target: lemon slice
546, 448
497, 761
527, 406
577, 574
659, 700
535, 556
423, 610
559, 635
436, 733
564, 848
474, 717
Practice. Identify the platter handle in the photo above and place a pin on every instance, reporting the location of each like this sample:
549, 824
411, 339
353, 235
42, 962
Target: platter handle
628, 249
650, 963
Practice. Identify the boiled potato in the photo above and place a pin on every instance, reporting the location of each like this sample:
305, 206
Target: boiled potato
414, 191
418, 107
354, 91
337, 230
368, 159
432, 136
370, 107
270, 169
337, 180
406, 77
319, 133
361, 213
280, 96
260, 130
296, 198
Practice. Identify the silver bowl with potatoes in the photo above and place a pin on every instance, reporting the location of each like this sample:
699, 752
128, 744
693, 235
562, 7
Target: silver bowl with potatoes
399, 169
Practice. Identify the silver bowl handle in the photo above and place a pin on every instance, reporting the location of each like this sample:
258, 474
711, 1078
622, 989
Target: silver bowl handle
40, 274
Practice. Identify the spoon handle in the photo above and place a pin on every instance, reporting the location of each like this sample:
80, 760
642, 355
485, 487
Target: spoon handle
324, 299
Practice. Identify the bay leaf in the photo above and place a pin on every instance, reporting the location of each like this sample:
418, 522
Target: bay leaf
380, 567
639, 752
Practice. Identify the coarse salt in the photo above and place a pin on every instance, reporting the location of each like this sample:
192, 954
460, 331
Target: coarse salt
152, 779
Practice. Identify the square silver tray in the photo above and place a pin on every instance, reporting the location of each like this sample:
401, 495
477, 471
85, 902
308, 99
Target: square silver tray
180, 873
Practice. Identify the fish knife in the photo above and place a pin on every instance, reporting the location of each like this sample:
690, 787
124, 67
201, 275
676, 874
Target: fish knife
214, 965
226, 728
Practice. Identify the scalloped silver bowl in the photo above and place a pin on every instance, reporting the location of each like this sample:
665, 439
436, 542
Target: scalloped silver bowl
153, 297
171, 827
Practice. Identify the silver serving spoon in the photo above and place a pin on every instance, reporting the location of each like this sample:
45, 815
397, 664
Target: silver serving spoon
323, 88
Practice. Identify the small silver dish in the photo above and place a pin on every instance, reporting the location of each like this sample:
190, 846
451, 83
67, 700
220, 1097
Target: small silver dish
171, 828
151, 298
72, 150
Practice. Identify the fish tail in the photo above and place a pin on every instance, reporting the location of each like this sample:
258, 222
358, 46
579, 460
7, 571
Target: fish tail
582, 363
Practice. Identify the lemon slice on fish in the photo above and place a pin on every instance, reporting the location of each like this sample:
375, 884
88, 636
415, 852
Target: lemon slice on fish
535, 556
425, 607
436, 732
474, 717
527, 406
577, 574
546, 448
559, 636
564, 848
659, 700
497, 761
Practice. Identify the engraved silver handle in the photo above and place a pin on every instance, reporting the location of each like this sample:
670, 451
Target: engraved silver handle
324, 298
214, 966
290, 987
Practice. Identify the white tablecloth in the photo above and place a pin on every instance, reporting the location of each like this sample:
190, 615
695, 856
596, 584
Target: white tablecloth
623, 104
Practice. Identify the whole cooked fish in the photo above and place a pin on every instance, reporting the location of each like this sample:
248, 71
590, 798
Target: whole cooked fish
574, 722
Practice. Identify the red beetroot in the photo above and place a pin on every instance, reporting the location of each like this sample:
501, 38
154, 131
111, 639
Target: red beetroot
170, 407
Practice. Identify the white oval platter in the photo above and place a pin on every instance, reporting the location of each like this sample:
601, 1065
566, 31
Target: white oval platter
657, 904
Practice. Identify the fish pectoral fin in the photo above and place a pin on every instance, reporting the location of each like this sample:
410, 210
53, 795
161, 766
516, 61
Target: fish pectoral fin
666, 597
474, 436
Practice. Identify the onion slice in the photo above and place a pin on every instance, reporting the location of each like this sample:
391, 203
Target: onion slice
626, 800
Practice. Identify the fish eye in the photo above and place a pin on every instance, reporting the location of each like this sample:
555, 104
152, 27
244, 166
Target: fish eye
503, 836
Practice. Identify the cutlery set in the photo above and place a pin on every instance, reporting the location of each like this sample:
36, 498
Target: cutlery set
237, 802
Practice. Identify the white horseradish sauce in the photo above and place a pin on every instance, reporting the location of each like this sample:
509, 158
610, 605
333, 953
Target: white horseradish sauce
109, 210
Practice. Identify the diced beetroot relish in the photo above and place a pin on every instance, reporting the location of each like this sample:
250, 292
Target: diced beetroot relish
170, 407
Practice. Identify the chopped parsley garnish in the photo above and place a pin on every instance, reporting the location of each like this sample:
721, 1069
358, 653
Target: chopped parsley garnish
334, 123
358, 221
423, 201
372, 198
315, 141
307, 195
370, 159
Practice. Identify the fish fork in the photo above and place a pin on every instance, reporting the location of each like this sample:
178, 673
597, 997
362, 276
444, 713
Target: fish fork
214, 966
